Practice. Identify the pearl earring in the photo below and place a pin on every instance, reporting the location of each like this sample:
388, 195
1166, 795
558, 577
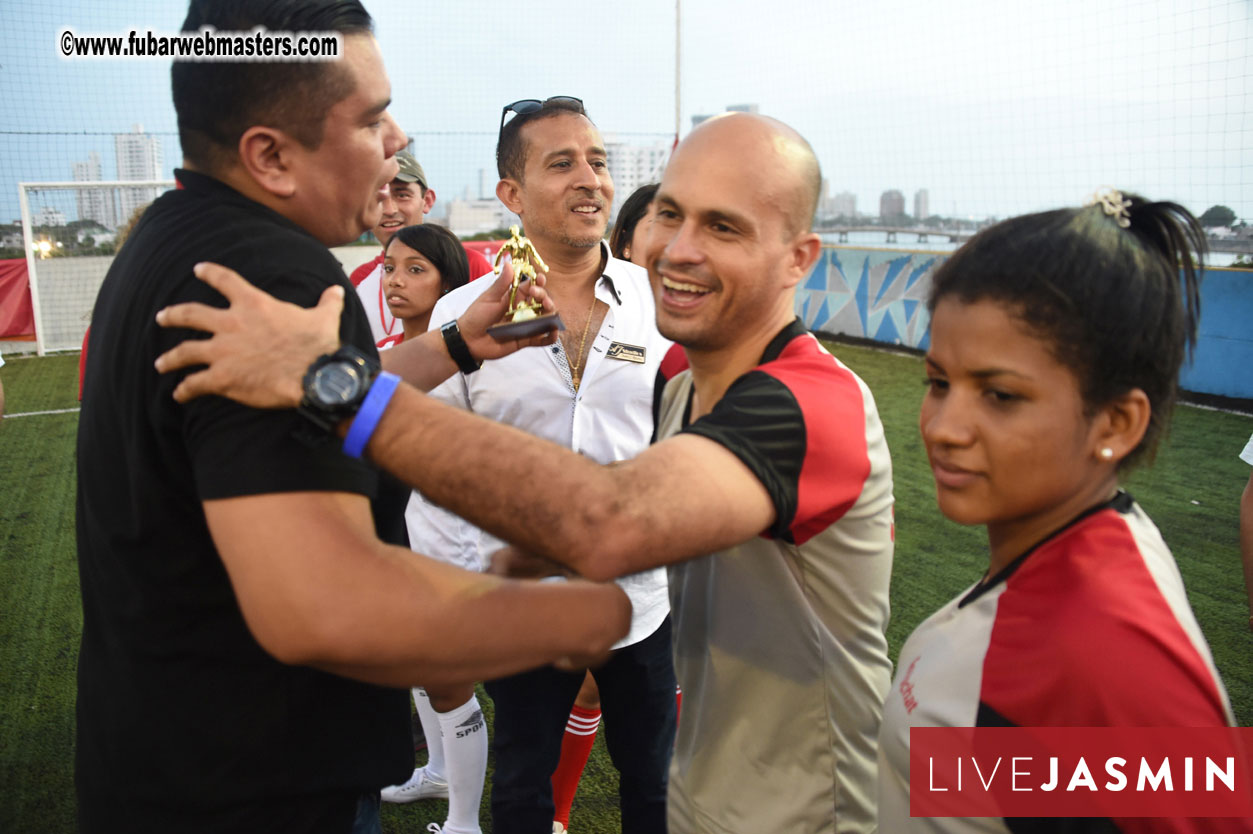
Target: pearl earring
1107, 453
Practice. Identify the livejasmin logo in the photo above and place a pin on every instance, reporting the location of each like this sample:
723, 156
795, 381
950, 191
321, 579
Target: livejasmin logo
1081, 772
1020, 772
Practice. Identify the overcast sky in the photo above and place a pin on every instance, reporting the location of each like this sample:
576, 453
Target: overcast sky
995, 106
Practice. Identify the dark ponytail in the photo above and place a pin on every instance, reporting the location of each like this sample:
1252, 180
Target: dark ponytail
1102, 286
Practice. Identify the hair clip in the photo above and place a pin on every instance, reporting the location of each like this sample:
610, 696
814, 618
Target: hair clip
1113, 204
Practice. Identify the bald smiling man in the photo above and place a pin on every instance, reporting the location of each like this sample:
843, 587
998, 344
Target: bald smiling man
767, 494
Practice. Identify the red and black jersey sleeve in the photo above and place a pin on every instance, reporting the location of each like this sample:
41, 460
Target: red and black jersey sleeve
799, 423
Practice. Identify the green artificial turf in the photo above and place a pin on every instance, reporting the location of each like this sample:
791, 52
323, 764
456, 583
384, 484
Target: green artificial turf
40, 618
1192, 493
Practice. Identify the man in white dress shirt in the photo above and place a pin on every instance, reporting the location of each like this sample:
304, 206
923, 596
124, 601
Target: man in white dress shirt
592, 392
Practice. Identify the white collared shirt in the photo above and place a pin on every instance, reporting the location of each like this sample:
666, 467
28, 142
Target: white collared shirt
609, 418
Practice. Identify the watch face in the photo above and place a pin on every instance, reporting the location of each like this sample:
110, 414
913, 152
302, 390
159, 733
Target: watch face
336, 384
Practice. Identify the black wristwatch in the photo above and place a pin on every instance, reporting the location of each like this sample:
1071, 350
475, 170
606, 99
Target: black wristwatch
458, 349
335, 385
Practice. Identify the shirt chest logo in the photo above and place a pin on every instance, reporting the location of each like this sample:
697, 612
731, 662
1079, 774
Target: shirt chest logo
627, 353
907, 688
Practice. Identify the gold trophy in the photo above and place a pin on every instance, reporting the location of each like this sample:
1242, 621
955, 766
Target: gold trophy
522, 318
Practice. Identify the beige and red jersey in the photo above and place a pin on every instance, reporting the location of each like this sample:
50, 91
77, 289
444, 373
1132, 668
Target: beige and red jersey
779, 641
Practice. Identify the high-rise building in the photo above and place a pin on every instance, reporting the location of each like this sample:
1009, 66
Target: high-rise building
138, 158
94, 203
49, 216
922, 204
631, 166
844, 205
891, 205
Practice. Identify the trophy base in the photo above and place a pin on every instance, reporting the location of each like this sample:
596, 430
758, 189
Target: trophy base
509, 330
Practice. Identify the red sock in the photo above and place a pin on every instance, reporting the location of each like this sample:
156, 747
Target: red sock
576, 746
678, 701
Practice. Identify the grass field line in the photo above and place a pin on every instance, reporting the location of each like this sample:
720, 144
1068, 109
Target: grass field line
41, 413
1216, 408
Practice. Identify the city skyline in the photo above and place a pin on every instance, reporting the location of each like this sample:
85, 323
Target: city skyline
995, 109
139, 155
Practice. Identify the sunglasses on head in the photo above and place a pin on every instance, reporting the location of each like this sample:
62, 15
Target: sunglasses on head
527, 106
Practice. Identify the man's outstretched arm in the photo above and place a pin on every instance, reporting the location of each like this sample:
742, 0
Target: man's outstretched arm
317, 588
681, 498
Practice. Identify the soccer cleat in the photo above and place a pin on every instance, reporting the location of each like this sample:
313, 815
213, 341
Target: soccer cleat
419, 786
558, 828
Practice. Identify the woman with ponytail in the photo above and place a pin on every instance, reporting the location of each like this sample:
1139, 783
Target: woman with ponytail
1056, 343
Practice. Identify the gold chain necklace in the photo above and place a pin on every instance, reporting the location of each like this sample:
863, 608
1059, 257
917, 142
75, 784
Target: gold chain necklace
577, 362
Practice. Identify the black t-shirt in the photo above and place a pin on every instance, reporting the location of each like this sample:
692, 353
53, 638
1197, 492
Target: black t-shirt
184, 722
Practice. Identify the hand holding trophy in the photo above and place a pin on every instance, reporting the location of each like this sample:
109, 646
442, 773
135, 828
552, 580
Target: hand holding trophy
523, 317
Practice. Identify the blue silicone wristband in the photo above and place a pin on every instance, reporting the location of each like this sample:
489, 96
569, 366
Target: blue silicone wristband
372, 408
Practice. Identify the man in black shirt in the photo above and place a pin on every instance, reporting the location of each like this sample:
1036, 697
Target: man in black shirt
235, 592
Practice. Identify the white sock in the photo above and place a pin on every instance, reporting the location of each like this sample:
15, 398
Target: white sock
430, 726
465, 751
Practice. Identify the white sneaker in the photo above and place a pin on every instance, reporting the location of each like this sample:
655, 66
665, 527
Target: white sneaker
558, 828
419, 786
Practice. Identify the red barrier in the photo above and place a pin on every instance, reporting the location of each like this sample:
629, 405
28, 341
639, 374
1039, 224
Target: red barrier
17, 317
486, 248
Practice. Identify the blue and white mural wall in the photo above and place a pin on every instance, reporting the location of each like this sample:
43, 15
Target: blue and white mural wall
871, 294
881, 295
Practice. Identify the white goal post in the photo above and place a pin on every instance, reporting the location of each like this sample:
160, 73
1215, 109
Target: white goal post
63, 289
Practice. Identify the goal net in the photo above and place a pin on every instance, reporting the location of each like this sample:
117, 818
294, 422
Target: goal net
67, 259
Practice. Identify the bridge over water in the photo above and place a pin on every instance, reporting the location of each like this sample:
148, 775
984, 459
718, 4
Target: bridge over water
843, 231
1228, 245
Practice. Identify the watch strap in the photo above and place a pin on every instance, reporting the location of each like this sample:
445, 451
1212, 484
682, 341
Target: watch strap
371, 411
458, 349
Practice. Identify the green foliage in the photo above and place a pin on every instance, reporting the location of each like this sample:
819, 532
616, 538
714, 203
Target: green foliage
1217, 216
1192, 493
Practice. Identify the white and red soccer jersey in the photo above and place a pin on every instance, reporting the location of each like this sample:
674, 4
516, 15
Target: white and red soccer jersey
779, 641
1090, 628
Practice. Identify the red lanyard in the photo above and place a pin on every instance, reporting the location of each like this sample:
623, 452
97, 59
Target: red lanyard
383, 311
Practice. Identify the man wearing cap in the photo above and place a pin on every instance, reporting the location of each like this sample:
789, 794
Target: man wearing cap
408, 202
